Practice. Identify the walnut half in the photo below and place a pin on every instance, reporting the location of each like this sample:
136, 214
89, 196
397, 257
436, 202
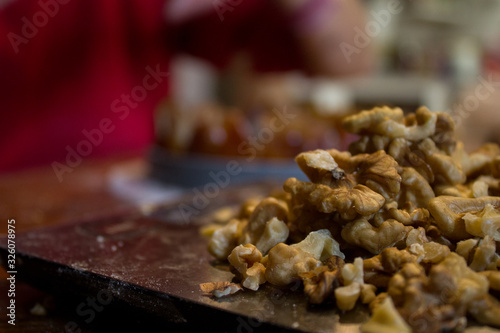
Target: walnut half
449, 213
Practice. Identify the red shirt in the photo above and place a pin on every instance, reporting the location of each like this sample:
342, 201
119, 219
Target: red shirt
84, 77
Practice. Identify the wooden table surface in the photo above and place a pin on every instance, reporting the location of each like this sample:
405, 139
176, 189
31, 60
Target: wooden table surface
35, 198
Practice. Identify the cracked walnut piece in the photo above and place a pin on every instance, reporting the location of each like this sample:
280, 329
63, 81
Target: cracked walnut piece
361, 233
430, 303
224, 239
265, 228
477, 160
319, 166
354, 287
320, 283
449, 213
285, 263
378, 171
246, 260
390, 122
414, 188
446, 170
350, 185
484, 223
266, 225
423, 141
349, 202
480, 254
220, 289
379, 269
385, 318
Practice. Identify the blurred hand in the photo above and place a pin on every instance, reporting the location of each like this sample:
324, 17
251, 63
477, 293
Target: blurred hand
178, 11
321, 26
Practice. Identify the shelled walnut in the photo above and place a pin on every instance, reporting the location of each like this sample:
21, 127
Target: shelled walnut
406, 221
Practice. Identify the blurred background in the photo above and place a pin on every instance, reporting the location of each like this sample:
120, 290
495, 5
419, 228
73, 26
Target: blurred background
441, 54
83, 81
434, 53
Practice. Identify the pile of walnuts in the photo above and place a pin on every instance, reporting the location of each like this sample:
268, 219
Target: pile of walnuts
406, 221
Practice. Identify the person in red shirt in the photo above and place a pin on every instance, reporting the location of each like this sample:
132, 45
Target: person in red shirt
82, 78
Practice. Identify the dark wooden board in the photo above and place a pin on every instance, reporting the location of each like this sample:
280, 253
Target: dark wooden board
155, 262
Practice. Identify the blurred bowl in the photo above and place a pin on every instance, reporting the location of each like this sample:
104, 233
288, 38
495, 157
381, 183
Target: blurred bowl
196, 170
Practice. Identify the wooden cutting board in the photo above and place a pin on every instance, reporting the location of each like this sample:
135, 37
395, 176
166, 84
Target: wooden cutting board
155, 261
